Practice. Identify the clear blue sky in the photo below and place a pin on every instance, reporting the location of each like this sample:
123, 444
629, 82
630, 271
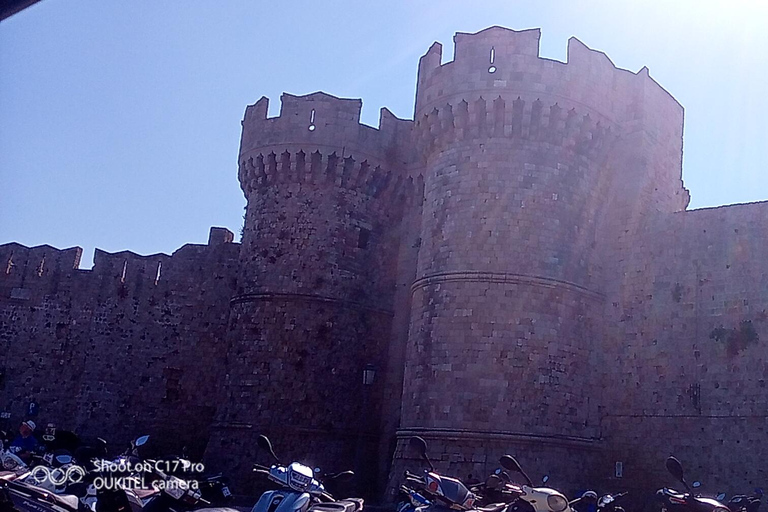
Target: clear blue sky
120, 120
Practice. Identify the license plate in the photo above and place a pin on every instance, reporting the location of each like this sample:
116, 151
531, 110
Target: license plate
175, 492
225, 492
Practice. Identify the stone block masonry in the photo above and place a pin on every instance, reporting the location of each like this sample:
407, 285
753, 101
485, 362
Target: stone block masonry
517, 263
132, 346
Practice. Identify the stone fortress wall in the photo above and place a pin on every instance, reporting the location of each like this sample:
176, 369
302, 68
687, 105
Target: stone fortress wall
517, 263
132, 345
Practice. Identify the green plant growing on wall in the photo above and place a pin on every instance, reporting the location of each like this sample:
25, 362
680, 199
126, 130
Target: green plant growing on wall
736, 339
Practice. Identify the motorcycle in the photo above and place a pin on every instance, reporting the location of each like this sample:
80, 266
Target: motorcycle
432, 491
104, 489
535, 499
439, 491
11, 465
498, 488
589, 501
299, 490
746, 503
175, 494
214, 488
54, 472
675, 501
606, 502
16, 496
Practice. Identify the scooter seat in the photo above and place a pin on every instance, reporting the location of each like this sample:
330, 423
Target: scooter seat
673, 493
493, 507
145, 493
7, 475
70, 501
350, 505
218, 509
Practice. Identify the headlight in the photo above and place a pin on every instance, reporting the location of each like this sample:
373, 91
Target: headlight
558, 503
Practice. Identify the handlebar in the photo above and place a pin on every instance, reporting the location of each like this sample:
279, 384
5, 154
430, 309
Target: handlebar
414, 481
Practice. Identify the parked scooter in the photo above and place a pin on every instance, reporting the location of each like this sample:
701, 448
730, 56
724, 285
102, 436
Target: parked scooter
746, 503
22, 497
102, 489
674, 501
17, 495
589, 502
607, 502
214, 488
11, 465
535, 499
299, 490
439, 492
497, 489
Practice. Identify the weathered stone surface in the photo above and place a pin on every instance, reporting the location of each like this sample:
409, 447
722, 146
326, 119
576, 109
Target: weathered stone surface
133, 345
517, 263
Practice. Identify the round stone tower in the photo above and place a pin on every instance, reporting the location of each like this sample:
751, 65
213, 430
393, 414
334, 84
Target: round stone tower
315, 292
522, 160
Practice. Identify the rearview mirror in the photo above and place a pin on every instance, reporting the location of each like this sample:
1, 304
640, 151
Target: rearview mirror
140, 441
344, 476
263, 442
696, 484
721, 496
545, 479
675, 468
420, 445
510, 463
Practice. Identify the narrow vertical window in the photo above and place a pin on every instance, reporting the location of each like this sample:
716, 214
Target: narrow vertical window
492, 69
157, 275
41, 267
312, 120
9, 266
125, 267
363, 238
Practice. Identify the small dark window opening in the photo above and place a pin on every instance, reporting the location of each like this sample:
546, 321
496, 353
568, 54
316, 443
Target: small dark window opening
363, 238
172, 384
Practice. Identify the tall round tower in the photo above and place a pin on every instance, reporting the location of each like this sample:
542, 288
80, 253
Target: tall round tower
519, 157
315, 291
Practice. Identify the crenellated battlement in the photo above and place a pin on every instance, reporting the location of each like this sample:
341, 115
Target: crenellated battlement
499, 60
19, 263
320, 120
29, 268
368, 178
519, 119
522, 242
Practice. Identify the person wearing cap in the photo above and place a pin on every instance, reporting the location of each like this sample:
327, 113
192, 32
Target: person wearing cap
25, 443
